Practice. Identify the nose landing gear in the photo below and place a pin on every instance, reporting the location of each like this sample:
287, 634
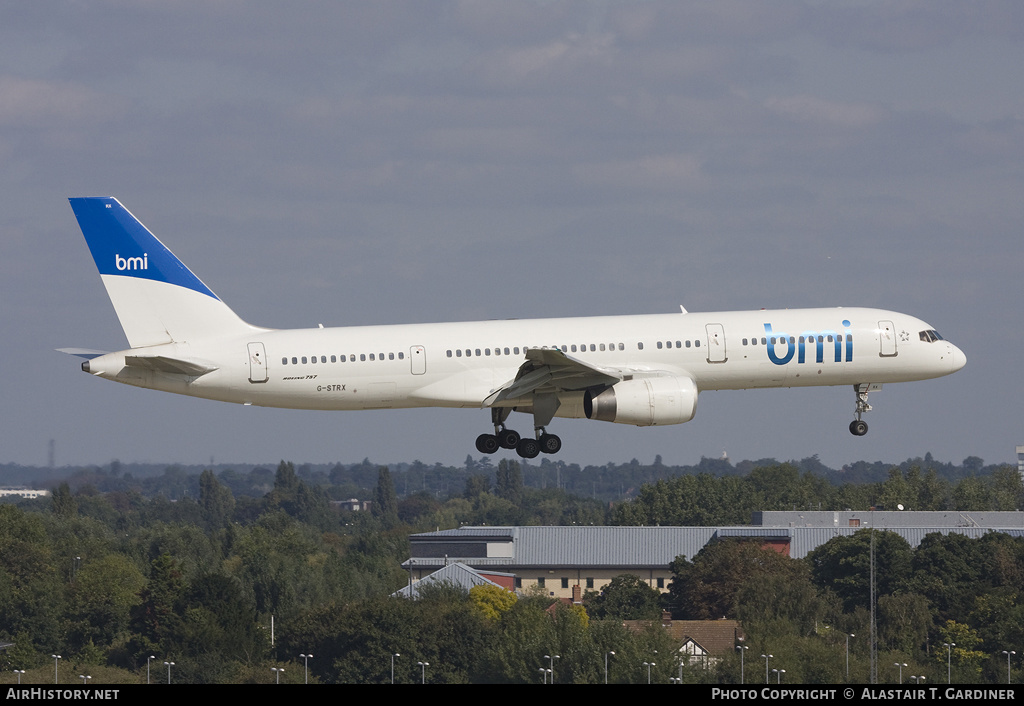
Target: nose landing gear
858, 427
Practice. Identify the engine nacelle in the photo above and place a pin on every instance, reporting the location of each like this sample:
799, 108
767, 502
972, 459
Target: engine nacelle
644, 401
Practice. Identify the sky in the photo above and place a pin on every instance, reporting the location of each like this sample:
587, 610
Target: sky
401, 162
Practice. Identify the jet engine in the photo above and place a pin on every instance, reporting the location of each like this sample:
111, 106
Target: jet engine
644, 402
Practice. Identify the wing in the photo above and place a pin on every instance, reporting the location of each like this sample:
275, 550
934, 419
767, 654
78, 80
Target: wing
553, 369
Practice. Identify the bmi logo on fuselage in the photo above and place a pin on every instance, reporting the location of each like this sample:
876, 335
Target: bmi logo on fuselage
131, 263
797, 345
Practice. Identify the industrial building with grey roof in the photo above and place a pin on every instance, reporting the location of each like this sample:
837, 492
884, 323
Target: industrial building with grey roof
554, 559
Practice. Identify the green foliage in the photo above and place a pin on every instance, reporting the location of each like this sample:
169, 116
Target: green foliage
626, 597
843, 564
707, 587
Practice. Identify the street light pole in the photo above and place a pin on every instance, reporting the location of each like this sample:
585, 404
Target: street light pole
949, 658
848, 655
393, 655
742, 649
1011, 652
306, 660
169, 665
55, 658
606, 666
766, 658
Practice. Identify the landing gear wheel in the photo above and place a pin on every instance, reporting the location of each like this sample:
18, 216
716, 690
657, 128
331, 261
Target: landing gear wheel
858, 427
487, 443
528, 448
550, 444
508, 438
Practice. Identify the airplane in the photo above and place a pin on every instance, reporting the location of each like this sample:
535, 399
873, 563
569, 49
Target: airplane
644, 370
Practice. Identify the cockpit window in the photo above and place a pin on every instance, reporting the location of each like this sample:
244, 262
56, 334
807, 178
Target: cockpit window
930, 336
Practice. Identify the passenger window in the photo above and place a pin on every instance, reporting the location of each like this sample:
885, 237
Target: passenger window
362, 357
303, 360
659, 345
640, 345
284, 361
334, 359
602, 346
294, 360
506, 351
391, 356
401, 355
458, 353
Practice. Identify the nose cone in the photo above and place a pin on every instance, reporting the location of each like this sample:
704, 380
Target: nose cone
957, 357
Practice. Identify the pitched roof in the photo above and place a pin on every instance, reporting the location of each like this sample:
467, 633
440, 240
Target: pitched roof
456, 574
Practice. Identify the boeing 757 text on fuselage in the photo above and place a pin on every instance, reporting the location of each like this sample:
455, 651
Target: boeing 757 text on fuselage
643, 370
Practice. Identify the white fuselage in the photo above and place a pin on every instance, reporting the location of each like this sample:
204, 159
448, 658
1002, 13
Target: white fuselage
460, 364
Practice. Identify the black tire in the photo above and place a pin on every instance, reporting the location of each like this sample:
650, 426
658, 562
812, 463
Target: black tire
508, 438
528, 448
550, 444
487, 443
858, 427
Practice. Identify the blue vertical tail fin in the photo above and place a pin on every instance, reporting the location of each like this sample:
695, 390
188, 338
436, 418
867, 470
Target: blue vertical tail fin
157, 298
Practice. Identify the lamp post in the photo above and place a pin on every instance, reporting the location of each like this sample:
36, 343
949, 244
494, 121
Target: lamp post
900, 666
551, 665
85, 678
649, 665
277, 673
168, 665
606, 655
742, 649
306, 666
766, 658
949, 658
19, 672
848, 655
393, 655
423, 671
1011, 652
55, 658
147, 666
778, 675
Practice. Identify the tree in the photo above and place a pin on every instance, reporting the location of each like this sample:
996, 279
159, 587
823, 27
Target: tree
625, 597
215, 499
707, 587
843, 564
491, 601
510, 481
385, 501
157, 619
64, 505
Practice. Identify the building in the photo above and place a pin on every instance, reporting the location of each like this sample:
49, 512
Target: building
555, 559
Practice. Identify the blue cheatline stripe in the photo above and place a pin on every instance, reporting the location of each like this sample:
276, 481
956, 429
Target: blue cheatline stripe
122, 246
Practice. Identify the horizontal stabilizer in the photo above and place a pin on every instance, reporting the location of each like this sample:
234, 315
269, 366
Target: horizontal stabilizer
163, 364
86, 353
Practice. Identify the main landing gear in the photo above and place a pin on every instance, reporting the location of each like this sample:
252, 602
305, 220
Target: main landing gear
858, 427
505, 438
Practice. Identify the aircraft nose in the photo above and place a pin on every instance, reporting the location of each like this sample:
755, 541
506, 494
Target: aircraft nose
958, 358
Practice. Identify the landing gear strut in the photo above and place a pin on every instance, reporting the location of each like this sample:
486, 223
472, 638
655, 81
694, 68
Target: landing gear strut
858, 427
510, 439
